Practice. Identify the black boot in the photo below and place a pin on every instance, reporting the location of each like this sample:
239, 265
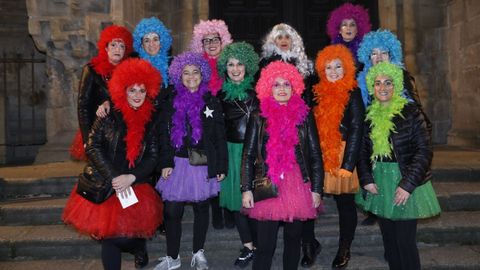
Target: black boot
369, 220
310, 252
141, 257
343, 255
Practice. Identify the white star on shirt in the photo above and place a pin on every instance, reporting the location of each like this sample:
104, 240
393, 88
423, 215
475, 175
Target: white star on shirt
208, 112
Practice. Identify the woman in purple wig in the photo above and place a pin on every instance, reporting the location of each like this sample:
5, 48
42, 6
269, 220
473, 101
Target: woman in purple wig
194, 127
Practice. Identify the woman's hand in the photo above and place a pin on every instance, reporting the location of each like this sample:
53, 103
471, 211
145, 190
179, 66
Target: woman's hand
401, 196
166, 172
317, 200
220, 177
372, 188
103, 110
122, 182
344, 173
247, 199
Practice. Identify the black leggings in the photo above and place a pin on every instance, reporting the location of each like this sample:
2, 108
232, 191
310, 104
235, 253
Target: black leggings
400, 243
308, 231
267, 232
347, 215
173, 212
246, 228
112, 249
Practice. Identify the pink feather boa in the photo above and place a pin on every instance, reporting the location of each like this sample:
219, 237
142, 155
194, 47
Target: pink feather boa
282, 122
215, 83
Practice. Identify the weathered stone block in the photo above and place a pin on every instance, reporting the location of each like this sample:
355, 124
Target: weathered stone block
472, 8
471, 32
455, 12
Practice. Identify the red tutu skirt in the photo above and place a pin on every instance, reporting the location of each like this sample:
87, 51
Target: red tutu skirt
77, 151
109, 219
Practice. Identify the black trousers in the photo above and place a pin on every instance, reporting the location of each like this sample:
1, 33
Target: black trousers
246, 227
347, 216
173, 213
112, 249
267, 232
400, 243
308, 231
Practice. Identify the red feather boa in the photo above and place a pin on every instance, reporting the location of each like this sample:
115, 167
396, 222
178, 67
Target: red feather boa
282, 122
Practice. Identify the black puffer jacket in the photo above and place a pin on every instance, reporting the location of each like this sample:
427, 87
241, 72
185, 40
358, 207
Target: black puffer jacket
307, 152
106, 149
351, 128
92, 92
237, 114
213, 140
412, 149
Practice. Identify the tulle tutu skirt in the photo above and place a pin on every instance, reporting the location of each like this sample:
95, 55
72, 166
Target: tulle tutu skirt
230, 194
109, 219
422, 203
187, 183
336, 185
294, 201
77, 151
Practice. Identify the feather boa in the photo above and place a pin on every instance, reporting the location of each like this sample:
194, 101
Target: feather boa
235, 91
102, 66
281, 127
351, 45
382, 125
215, 83
187, 105
332, 99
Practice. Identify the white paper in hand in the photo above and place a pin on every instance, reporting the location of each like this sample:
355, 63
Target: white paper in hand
129, 200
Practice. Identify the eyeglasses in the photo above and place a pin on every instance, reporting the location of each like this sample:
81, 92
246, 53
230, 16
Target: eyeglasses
214, 40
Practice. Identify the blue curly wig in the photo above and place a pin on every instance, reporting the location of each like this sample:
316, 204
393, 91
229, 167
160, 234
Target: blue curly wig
188, 58
159, 61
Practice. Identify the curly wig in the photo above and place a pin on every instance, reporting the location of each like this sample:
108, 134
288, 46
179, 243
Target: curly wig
241, 51
188, 58
297, 51
348, 11
383, 40
388, 69
159, 61
208, 27
278, 69
336, 51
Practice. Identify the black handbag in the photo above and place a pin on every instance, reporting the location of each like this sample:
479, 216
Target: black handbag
262, 186
93, 187
196, 157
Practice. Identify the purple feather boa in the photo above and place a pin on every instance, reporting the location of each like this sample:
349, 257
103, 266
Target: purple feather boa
351, 45
187, 105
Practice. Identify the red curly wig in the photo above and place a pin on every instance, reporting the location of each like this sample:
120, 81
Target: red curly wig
332, 98
127, 73
278, 69
100, 62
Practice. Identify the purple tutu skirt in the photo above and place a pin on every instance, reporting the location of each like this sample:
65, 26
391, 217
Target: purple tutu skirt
294, 201
187, 183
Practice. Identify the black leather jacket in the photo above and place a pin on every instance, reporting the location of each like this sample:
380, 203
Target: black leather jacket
106, 149
92, 92
307, 152
412, 149
237, 114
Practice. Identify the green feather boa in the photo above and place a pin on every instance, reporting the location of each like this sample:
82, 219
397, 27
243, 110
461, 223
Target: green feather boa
235, 91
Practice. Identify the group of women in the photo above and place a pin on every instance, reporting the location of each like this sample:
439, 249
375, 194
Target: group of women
218, 118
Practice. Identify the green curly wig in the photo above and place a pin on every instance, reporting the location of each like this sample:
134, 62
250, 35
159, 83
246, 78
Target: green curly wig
241, 51
381, 115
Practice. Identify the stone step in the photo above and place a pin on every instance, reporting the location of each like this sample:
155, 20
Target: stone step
432, 258
59, 241
43, 209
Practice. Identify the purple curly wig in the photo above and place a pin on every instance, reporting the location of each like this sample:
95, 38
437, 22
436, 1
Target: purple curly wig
348, 11
188, 58
207, 27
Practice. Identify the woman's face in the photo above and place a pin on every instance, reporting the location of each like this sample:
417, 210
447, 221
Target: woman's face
282, 90
383, 86
115, 51
348, 29
151, 43
212, 44
191, 77
334, 70
378, 56
136, 95
235, 70
284, 42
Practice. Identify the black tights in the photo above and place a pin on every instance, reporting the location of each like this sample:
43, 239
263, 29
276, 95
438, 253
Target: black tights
347, 215
267, 241
173, 212
112, 249
246, 227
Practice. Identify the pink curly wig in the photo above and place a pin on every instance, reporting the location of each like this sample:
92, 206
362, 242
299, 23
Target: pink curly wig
207, 27
278, 69
348, 11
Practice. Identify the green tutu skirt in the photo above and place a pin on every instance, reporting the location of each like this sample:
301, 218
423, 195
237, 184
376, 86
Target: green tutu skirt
230, 194
422, 203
